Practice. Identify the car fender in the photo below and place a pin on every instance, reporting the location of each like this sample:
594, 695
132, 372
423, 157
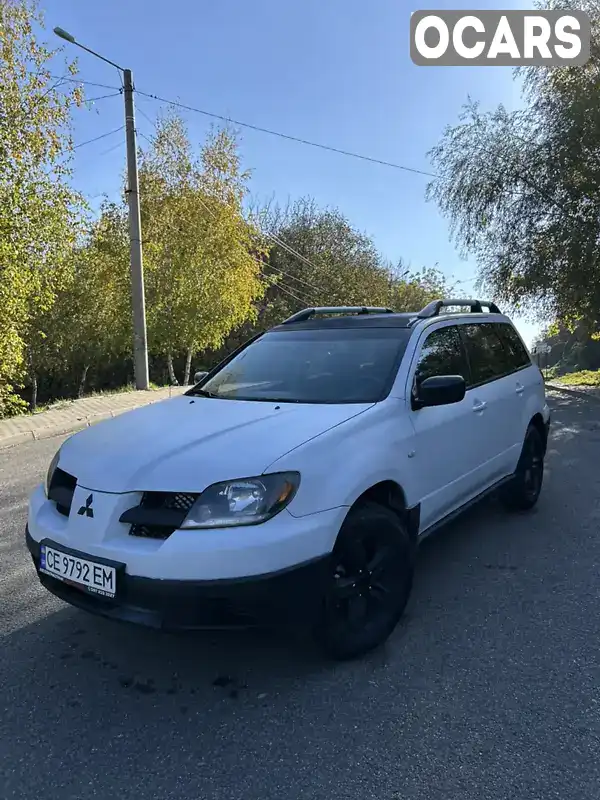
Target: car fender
342, 463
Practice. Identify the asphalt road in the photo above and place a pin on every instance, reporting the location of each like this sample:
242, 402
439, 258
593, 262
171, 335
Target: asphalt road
489, 689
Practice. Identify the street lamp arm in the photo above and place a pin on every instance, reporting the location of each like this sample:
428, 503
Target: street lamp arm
62, 34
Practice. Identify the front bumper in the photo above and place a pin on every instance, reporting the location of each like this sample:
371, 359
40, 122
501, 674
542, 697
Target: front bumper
286, 597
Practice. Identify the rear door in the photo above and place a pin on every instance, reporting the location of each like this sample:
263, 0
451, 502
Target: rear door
527, 383
450, 440
494, 397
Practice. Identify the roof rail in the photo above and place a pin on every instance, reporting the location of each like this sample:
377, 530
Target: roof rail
307, 313
434, 308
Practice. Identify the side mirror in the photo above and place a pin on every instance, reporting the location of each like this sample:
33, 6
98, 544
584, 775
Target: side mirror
198, 376
440, 390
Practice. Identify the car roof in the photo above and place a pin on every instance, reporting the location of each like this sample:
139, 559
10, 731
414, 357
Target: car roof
469, 316
395, 320
350, 321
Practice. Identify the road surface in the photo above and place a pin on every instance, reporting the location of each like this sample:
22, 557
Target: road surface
490, 688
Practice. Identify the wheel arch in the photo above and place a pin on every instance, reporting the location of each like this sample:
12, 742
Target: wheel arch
390, 494
537, 421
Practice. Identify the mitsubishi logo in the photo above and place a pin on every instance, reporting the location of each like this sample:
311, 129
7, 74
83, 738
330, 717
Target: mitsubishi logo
87, 509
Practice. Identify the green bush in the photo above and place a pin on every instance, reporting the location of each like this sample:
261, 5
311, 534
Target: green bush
584, 378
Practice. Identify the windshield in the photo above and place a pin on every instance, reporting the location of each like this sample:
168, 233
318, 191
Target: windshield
312, 366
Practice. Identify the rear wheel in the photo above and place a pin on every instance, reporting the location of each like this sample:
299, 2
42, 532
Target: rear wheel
369, 585
523, 491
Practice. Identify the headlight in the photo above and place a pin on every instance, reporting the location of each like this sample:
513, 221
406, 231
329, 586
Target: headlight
247, 501
51, 470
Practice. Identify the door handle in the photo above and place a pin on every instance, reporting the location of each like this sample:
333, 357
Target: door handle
479, 406
520, 388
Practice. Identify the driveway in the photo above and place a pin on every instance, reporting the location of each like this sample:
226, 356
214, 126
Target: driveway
488, 689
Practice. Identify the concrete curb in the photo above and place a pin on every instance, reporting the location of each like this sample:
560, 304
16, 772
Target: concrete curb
15, 439
64, 427
573, 392
57, 430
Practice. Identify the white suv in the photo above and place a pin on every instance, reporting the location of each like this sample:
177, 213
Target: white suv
294, 482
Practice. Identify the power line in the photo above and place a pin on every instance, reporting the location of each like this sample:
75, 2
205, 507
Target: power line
466, 280
298, 139
97, 138
291, 294
102, 97
261, 264
60, 78
281, 273
143, 113
143, 135
110, 149
102, 153
291, 251
294, 277
270, 132
288, 248
272, 236
297, 255
460, 282
278, 241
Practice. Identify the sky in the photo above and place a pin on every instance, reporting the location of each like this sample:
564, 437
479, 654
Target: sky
333, 72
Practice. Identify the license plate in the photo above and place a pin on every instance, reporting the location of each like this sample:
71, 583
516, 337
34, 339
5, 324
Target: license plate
82, 572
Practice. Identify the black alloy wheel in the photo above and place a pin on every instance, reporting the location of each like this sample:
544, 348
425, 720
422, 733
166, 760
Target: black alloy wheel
523, 491
370, 582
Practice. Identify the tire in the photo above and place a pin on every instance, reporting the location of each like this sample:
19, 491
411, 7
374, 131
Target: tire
523, 491
369, 585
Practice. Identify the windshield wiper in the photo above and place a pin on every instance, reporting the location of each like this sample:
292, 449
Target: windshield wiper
202, 393
271, 400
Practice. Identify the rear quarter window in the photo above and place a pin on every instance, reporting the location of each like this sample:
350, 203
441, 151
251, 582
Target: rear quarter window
519, 357
488, 356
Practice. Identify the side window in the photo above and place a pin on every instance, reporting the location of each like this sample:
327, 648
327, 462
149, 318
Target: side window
488, 357
519, 357
441, 354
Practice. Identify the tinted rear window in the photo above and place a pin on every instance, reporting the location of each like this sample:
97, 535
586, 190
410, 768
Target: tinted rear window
519, 357
488, 357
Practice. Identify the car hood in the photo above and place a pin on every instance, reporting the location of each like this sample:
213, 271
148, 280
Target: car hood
184, 444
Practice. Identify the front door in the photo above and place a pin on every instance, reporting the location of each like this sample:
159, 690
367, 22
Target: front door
450, 440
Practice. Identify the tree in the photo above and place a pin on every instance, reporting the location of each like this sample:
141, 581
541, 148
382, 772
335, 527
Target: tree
202, 254
414, 289
38, 210
572, 349
336, 265
97, 299
317, 258
521, 191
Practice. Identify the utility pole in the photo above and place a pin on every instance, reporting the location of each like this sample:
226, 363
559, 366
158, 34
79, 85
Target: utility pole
138, 303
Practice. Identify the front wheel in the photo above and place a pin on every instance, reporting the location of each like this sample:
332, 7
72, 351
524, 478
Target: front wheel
369, 584
523, 491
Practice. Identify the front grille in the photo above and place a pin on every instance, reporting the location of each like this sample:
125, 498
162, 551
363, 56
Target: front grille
61, 491
162, 501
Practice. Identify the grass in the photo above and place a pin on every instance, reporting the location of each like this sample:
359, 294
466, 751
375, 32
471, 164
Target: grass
58, 405
586, 377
